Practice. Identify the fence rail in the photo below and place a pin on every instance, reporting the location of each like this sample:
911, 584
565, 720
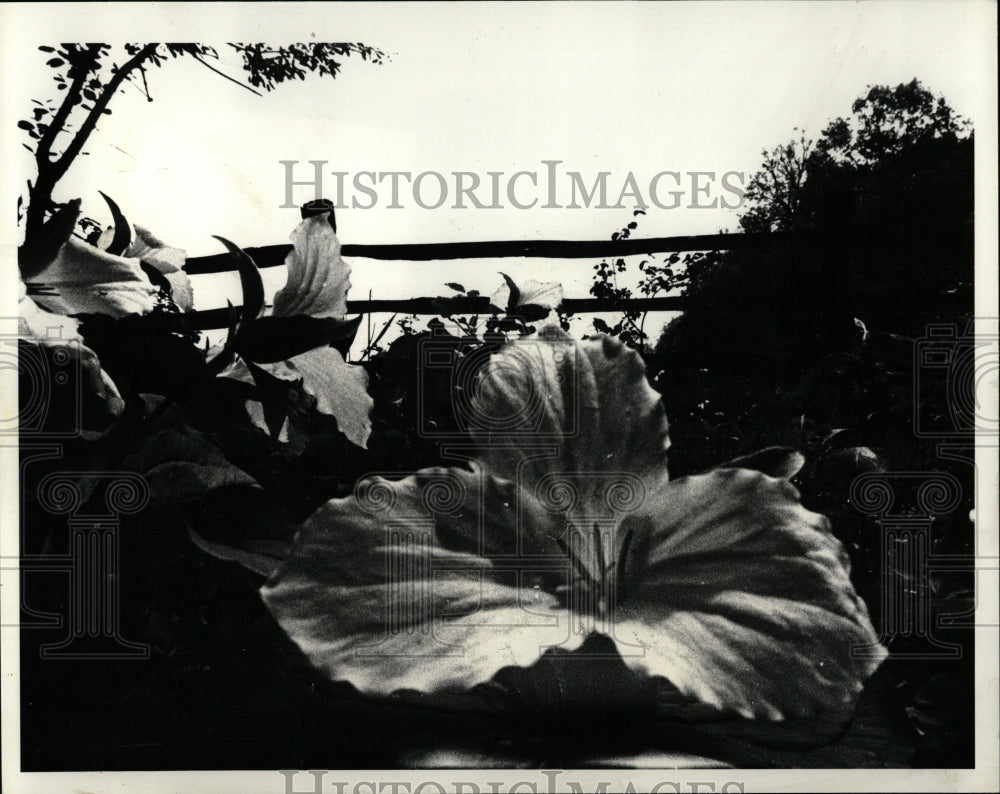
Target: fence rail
274, 255
211, 319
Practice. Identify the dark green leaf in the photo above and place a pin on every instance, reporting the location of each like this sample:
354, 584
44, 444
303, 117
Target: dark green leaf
123, 232
273, 398
181, 465
515, 292
271, 339
35, 255
250, 281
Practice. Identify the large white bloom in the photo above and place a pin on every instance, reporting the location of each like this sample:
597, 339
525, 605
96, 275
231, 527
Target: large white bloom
316, 287
567, 526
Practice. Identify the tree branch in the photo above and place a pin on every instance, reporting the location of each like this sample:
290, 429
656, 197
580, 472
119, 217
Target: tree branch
207, 65
44, 148
61, 165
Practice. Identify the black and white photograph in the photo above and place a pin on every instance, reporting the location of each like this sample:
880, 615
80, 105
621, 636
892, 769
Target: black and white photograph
499, 397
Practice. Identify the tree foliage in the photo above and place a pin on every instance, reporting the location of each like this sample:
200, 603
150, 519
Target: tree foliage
882, 206
88, 76
774, 193
810, 341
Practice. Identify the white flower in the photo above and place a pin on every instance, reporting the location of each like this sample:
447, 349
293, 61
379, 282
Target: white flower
315, 291
59, 335
83, 279
567, 526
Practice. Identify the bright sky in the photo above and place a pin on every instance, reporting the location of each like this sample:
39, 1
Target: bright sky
637, 87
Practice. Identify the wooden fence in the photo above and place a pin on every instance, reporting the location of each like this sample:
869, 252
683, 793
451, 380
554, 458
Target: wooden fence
274, 255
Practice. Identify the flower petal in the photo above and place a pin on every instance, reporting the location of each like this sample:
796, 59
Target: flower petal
340, 389
58, 336
318, 280
394, 588
548, 294
36, 324
576, 425
742, 598
86, 280
167, 260
590, 400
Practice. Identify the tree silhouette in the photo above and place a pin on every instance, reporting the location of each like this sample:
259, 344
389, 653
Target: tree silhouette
886, 121
801, 182
774, 193
884, 202
89, 75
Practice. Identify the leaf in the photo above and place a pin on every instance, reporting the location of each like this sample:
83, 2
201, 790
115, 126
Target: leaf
318, 279
250, 281
272, 339
259, 562
273, 402
722, 583
35, 255
340, 389
742, 598
55, 62
780, 462
183, 465
455, 286
123, 231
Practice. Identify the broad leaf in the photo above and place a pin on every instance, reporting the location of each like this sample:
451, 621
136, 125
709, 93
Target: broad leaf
566, 527
272, 339
260, 558
340, 388
774, 461
183, 465
591, 403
